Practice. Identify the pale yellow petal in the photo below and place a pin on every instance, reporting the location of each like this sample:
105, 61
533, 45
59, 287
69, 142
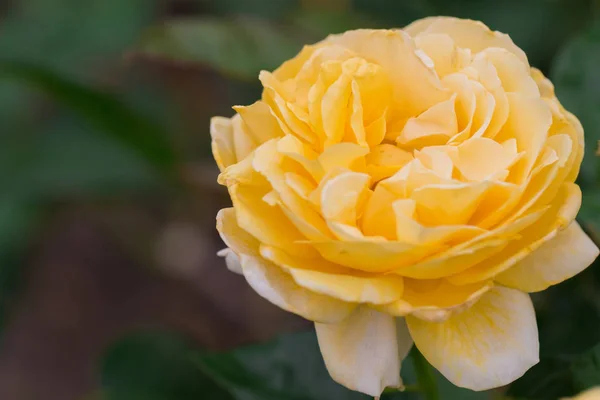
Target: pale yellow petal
332, 280
373, 256
279, 288
560, 258
512, 72
553, 219
341, 197
415, 85
466, 33
434, 126
232, 261
378, 218
530, 129
363, 352
259, 121
448, 204
223, 148
410, 231
489, 345
385, 160
435, 300
446, 56
481, 159
267, 223
235, 237
456, 259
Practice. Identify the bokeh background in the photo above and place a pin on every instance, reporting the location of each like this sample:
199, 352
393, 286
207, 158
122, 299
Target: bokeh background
109, 283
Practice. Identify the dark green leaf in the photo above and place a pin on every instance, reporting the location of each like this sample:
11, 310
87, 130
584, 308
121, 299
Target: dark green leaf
317, 25
155, 366
72, 36
550, 379
577, 81
101, 110
586, 369
72, 160
239, 47
290, 367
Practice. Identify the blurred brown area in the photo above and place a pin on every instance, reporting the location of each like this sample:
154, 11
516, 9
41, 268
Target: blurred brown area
83, 290
98, 269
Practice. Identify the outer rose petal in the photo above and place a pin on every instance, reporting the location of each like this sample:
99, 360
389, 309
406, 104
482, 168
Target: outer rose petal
364, 352
332, 280
489, 345
279, 288
232, 261
235, 237
561, 258
466, 33
223, 149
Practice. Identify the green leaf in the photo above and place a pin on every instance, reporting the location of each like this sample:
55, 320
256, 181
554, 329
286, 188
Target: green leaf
240, 47
287, 368
290, 367
70, 160
102, 110
72, 36
319, 24
586, 369
551, 378
577, 82
155, 366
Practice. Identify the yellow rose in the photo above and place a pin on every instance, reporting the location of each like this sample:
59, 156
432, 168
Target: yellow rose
591, 394
400, 185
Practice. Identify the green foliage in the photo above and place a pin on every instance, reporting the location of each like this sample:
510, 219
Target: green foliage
586, 369
102, 110
155, 366
560, 377
238, 47
577, 83
163, 366
166, 366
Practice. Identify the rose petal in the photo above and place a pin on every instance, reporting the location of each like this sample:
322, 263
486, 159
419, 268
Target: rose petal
223, 149
560, 258
466, 33
279, 288
416, 86
364, 352
489, 345
332, 280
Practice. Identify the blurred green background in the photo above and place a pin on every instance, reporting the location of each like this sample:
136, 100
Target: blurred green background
109, 284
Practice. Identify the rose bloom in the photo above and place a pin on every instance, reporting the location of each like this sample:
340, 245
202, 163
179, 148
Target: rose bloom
406, 185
